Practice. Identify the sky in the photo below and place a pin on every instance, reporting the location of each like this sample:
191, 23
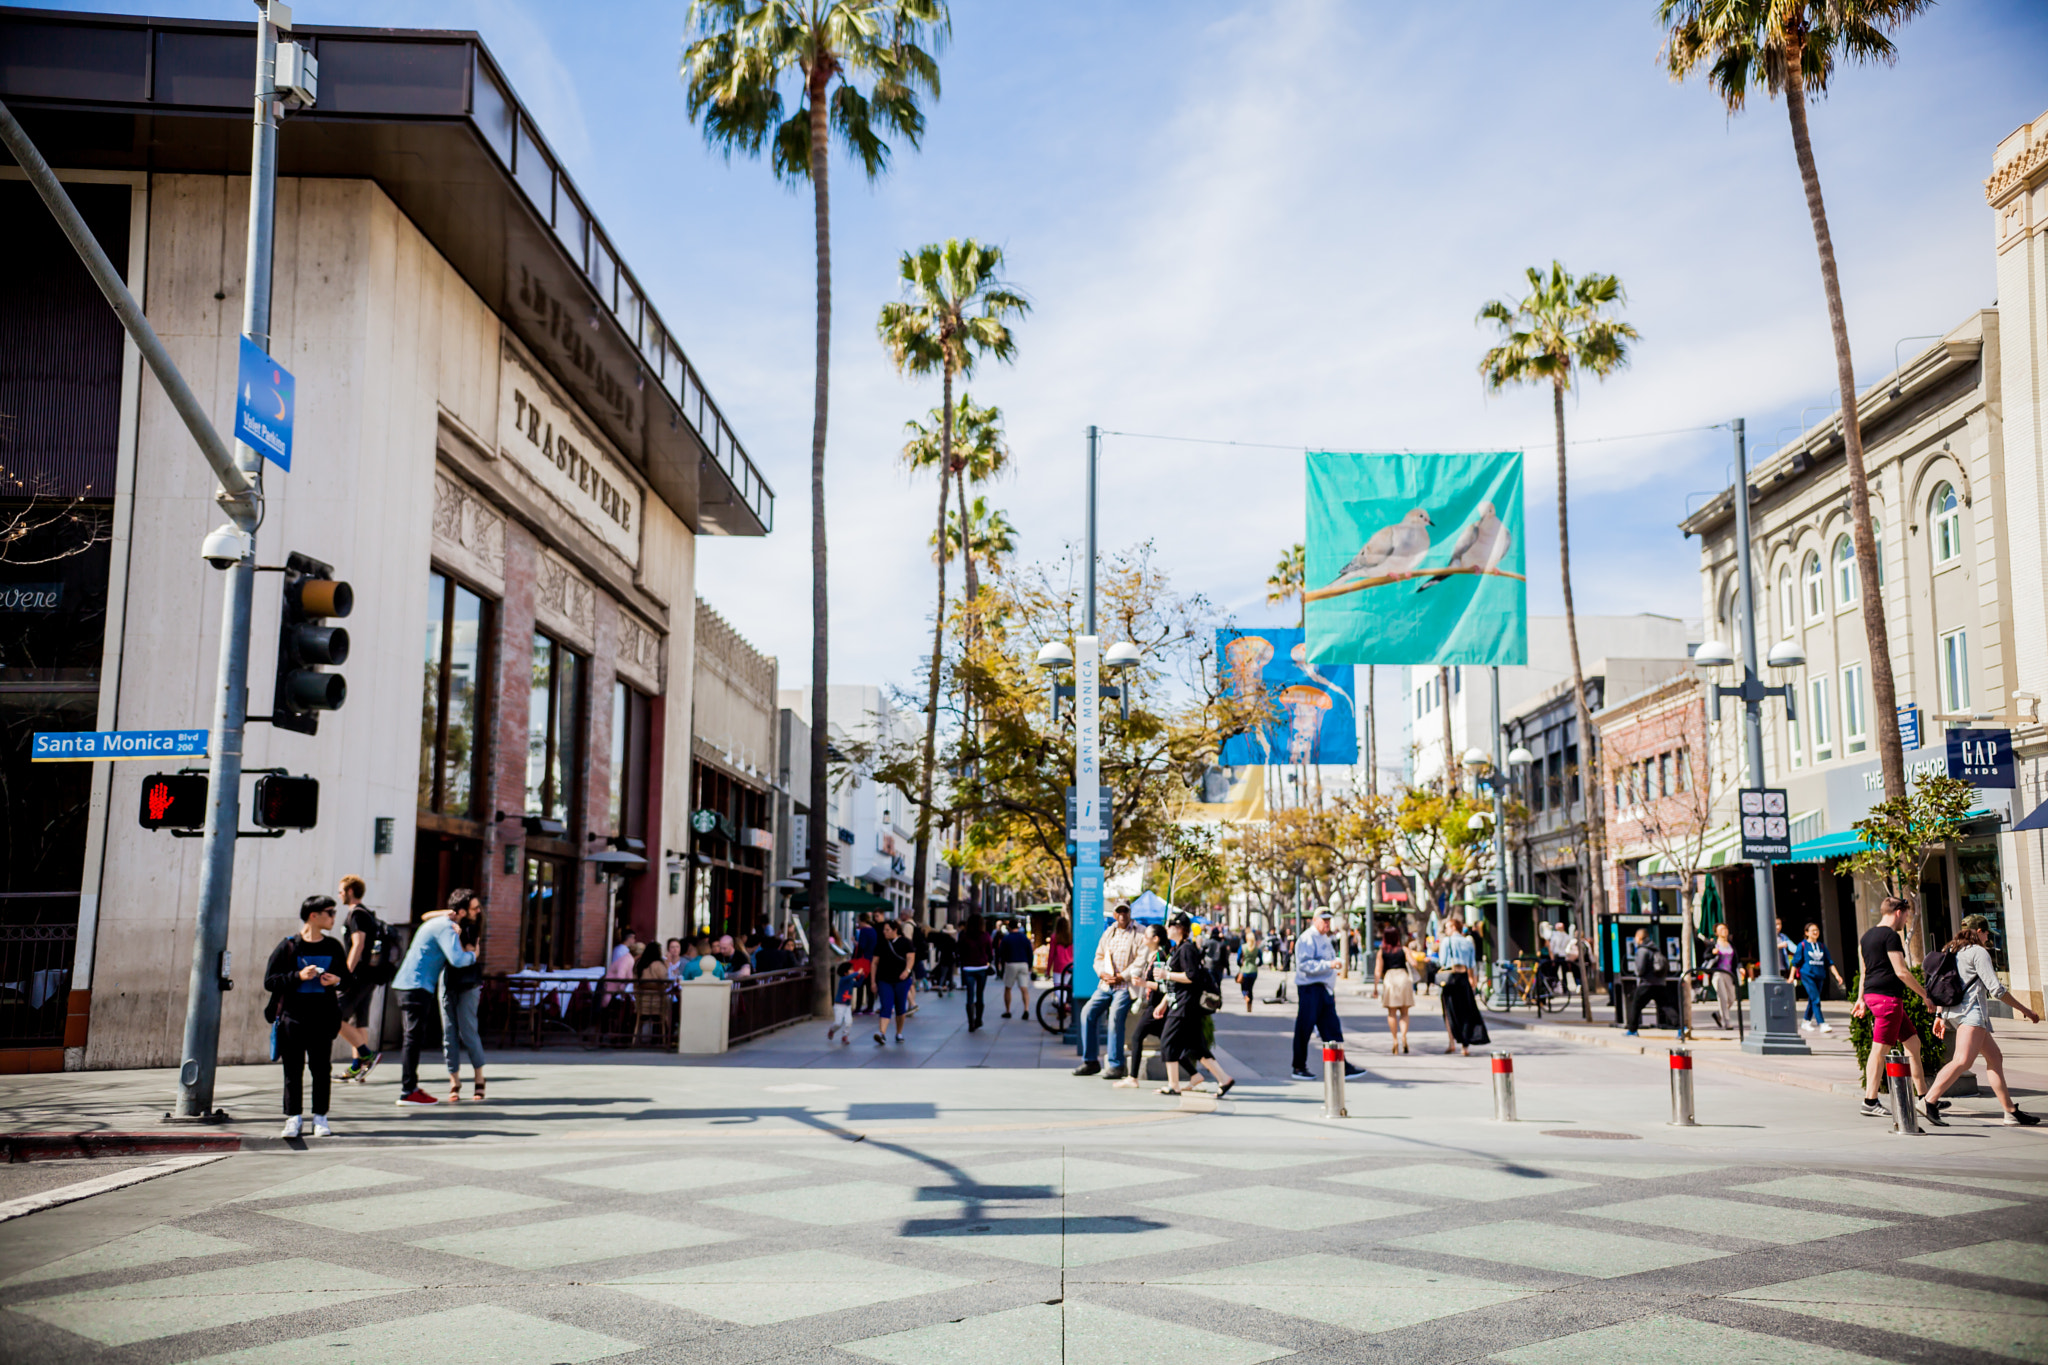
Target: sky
1272, 224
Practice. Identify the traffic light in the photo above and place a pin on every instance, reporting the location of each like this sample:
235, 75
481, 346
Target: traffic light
311, 595
174, 801
287, 802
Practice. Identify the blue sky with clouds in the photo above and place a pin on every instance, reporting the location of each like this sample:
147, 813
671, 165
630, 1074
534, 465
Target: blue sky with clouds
1273, 223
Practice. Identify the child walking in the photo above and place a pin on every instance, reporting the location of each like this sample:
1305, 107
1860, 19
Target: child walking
842, 1004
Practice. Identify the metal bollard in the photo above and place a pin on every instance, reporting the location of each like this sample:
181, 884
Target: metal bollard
1503, 1087
1681, 1090
1899, 1078
1333, 1082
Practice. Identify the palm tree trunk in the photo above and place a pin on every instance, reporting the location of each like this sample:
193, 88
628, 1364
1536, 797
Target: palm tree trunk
919, 874
820, 817
1589, 753
966, 534
1443, 689
1372, 717
1884, 696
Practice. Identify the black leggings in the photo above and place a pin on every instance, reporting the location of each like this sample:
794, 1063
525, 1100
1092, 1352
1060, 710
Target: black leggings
299, 1047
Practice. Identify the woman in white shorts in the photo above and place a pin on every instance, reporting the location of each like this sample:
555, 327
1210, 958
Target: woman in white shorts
1971, 1021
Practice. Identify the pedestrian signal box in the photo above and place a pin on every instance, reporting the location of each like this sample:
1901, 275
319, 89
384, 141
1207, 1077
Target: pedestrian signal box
287, 802
312, 595
174, 801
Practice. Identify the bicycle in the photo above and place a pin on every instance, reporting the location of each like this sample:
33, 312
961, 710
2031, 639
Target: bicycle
1056, 1003
1530, 983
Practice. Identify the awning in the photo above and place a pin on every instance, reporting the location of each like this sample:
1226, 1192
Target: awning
1720, 847
1828, 847
2038, 820
847, 897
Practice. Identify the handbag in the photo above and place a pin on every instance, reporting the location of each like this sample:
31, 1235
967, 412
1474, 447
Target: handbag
1210, 1001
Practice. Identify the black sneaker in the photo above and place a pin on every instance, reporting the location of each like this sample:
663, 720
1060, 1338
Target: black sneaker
1350, 1070
1931, 1112
1087, 1068
1301, 1075
1937, 1104
1115, 1073
1873, 1109
2017, 1117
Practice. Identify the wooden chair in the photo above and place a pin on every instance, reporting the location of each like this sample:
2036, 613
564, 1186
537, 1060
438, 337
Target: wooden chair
651, 1002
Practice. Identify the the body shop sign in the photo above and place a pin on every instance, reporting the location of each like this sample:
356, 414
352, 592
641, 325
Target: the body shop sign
567, 459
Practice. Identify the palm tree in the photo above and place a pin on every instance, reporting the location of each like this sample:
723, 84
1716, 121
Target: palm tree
1562, 326
1791, 48
952, 314
1284, 584
980, 453
990, 536
858, 66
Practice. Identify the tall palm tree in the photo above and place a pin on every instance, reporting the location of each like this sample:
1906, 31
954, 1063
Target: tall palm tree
952, 313
1285, 583
1791, 47
980, 451
990, 536
860, 67
1561, 327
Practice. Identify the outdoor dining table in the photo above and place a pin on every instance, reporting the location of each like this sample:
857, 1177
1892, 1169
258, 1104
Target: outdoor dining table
557, 986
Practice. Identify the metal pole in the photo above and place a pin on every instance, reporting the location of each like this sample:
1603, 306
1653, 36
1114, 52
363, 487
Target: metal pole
231, 691
1500, 848
1094, 446
1770, 994
1088, 902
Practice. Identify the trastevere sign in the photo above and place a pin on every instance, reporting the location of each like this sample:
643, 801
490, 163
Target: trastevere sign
562, 453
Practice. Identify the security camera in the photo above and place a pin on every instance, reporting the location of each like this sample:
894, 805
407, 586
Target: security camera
224, 547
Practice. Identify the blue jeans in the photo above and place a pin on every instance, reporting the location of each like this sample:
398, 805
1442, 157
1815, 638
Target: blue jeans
1317, 1010
892, 1001
1115, 1001
1815, 985
975, 979
458, 1028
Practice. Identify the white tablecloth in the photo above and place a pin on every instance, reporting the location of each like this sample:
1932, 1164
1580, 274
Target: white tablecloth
558, 986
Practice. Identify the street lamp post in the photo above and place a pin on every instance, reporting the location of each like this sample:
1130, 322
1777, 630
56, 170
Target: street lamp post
1489, 774
1770, 995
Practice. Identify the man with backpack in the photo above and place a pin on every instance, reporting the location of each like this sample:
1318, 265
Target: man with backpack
1652, 967
436, 946
302, 976
371, 963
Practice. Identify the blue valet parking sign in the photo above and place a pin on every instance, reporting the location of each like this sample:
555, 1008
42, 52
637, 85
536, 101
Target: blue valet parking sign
264, 405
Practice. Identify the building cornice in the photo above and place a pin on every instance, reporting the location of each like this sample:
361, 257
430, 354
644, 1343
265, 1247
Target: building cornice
2012, 177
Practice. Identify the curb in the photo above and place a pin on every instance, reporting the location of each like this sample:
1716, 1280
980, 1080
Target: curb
69, 1146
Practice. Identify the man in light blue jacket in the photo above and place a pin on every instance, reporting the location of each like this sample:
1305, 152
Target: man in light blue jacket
436, 946
1315, 976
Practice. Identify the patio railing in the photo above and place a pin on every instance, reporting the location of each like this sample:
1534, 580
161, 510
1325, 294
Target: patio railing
767, 1001
576, 1010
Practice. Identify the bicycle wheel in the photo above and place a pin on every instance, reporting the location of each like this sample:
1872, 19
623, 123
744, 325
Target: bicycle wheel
1055, 1004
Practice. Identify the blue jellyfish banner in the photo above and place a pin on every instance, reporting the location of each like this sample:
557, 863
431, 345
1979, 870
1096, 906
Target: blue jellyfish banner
1310, 706
1416, 559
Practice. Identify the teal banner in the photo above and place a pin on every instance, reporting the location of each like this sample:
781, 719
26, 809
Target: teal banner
1416, 559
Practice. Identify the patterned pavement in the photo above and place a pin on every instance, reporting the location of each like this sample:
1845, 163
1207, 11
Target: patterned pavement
1117, 1250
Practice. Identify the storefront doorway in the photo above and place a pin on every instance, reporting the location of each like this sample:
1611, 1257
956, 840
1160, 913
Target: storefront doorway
440, 864
547, 913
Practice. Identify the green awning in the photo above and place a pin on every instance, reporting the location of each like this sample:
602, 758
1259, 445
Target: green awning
848, 897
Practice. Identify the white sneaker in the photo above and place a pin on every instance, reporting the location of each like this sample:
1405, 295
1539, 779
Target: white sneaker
320, 1128
292, 1126
1827, 1028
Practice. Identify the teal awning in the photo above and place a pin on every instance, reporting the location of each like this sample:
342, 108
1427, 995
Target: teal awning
1828, 847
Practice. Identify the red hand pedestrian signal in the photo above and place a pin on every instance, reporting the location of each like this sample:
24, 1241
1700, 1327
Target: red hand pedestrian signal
173, 801
159, 796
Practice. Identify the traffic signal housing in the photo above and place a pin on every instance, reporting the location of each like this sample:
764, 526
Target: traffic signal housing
287, 802
173, 801
305, 643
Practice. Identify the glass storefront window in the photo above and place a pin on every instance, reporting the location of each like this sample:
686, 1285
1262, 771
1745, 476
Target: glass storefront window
453, 689
630, 720
552, 732
1977, 878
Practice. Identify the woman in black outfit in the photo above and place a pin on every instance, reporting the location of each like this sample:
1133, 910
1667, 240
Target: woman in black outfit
975, 961
1148, 1014
1184, 1042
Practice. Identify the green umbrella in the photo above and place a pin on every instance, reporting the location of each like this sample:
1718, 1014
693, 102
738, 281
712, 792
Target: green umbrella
1710, 909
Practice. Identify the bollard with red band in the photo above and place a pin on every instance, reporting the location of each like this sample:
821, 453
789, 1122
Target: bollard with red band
1503, 1087
1899, 1080
1333, 1081
1681, 1090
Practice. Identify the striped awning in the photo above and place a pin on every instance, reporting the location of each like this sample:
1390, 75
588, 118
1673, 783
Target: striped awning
1722, 846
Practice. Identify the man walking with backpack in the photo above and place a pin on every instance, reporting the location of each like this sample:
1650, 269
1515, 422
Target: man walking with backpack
436, 946
1881, 993
1651, 969
302, 976
369, 966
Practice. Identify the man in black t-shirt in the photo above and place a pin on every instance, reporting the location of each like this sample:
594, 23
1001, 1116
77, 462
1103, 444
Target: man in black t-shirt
1881, 993
302, 976
359, 936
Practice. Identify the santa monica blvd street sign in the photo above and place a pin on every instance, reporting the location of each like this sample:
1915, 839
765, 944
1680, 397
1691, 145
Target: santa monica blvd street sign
85, 746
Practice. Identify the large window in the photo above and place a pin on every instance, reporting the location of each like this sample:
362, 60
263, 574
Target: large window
630, 711
1788, 604
452, 693
1817, 719
547, 914
1816, 589
1846, 581
1945, 515
1855, 738
1955, 671
553, 752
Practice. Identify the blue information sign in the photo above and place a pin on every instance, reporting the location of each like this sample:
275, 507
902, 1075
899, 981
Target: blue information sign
263, 406
1909, 728
84, 746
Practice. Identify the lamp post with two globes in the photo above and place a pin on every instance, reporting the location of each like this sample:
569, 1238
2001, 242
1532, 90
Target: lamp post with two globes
1488, 774
1770, 995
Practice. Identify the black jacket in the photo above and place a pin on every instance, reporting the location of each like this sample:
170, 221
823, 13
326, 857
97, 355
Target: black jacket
306, 1003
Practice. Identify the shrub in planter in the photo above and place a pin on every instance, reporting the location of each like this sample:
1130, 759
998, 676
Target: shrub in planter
1934, 1052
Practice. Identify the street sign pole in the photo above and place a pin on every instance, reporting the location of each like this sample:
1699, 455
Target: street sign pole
1086, 928
231, 693
1770, 995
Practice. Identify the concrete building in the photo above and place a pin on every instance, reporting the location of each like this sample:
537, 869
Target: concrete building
1939, 469
874, 825
735, 763
1467, 691
1661, 806
499, 444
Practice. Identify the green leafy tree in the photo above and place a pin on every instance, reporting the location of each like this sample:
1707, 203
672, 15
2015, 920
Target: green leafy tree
1562, 327
953, 312
1284, 584
858, 68
1791, 48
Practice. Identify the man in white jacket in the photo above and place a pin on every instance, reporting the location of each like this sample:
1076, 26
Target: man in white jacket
1315, 973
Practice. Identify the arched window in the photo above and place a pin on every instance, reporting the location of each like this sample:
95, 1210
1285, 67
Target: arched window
1845, 571
1877, 539
1945, 516
1816, 589
1788, 604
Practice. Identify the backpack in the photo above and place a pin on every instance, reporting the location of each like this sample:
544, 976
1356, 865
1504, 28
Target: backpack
1944, 981
380, 951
